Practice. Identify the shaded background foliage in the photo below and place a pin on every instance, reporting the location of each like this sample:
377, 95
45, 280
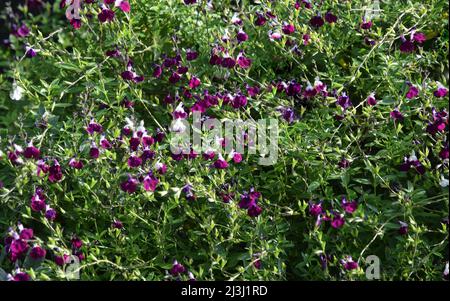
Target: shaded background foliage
71, 81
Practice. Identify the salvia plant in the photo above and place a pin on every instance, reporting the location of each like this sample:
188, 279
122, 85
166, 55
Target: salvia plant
93, 93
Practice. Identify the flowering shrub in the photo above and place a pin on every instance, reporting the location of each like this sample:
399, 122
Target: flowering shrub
87, 100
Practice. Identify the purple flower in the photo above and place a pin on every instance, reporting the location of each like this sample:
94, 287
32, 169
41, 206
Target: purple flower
157, 71
275, 35
236, 20
288, 28
138, 79
94, 152
113, 53
61, 260
338, 221
439, 122
104, 143
17, 248
209, 155
249, 199
243, 61
161, 168
444, 153
412, 92
253, 90
55, 173
412, 161
177, 269
366, 24
228, 62
123, 5
396, 115
239, 101
369, 42
127, 75
75, 164
50, 213
441, 91
179, 112
344, 163
150, 182
21, 276
407, 46
76, 242
169, 62
182, 70
315, 209
177, 157
189, 194
419, 37
41, 167
403, 229
349, 207
30, 52
320, 87
220, 163
76, 23
191, 55
94, 127
317, 21
32, 152
147, 154
174, 78
106, 15
215, 59
135, 141
13, 156
254, 210
344, 101
130, 185
37, 204
324, 259
288, 114
330, 18
22, 31
270, 15
293, 88
260, 19
306, 38
134, 161
349, 264
310, 91
241, 36
194, 82
147, 140
117, 224
37, 253
25, 233
371, 101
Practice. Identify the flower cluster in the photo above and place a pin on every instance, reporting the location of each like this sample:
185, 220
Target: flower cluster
336, 219
177, 270
249, 201
38, 204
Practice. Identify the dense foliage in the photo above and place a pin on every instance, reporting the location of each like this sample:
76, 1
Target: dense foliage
86, 170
